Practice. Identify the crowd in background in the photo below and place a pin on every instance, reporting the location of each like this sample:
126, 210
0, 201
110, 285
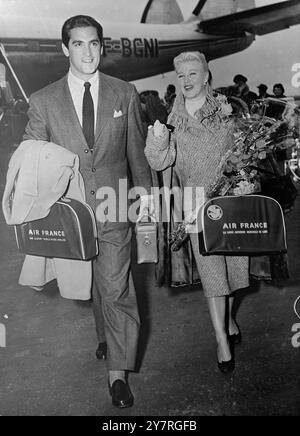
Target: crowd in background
240, 96
13, 111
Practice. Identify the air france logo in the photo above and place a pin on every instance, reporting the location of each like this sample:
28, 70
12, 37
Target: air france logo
214, 212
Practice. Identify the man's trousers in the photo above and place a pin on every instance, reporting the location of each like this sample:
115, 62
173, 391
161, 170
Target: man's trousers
114, 296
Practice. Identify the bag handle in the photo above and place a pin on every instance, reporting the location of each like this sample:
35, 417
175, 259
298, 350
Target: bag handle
141, 219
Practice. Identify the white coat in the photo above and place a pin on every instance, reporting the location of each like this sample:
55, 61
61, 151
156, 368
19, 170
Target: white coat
40, 173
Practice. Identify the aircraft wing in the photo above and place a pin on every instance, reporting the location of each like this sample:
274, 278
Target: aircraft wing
258, 21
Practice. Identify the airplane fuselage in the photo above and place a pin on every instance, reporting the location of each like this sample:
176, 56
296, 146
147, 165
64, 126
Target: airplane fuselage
131, 50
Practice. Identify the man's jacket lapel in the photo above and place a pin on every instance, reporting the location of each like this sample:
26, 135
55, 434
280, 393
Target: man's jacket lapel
106, 105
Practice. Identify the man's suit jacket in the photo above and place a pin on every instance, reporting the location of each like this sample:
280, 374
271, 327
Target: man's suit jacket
119, 141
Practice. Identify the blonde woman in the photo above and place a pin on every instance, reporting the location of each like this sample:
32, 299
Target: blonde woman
203, 132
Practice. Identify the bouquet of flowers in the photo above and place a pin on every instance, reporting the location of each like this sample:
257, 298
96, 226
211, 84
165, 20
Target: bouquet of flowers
255, 138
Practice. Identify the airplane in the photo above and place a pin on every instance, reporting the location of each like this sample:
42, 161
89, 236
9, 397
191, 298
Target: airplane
30, 44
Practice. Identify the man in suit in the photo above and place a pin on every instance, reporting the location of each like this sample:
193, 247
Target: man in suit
98, 117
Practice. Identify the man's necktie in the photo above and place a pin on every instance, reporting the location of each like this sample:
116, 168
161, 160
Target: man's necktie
88, 117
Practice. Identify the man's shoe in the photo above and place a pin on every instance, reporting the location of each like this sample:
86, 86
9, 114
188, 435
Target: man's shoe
101, 352
121, 394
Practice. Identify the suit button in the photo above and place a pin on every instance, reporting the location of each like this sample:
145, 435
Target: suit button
86, 151
92, 192
94, 170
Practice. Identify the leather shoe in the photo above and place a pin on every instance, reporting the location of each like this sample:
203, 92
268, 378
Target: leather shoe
101, 352
121, 394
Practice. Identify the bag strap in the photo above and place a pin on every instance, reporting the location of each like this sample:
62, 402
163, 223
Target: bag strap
297, 178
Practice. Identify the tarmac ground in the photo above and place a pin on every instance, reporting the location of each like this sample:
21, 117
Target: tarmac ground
49, 368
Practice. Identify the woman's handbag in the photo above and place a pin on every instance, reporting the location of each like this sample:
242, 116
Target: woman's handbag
69, 232
146, 239
242, 226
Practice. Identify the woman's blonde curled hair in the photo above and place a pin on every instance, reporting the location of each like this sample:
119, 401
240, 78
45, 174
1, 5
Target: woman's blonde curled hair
188, 56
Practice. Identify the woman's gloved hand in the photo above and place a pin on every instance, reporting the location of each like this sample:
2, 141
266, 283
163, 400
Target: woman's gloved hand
159, 129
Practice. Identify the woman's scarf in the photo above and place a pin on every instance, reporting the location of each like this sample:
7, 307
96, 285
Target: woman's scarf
212, 114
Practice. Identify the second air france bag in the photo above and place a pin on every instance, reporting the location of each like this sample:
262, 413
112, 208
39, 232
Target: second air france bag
242, 225
68, 231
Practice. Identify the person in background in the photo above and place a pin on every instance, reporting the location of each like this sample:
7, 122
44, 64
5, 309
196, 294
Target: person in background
241, 90
170, 96
276, 107
153, 107
5, 123
6, 88
98, 117
201, 137
6, 101
278, 91
262, 91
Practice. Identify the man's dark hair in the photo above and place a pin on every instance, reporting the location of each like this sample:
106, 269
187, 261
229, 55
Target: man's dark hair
80, 21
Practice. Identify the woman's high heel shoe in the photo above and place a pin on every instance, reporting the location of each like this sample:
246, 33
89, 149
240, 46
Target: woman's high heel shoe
227, 366
236, 338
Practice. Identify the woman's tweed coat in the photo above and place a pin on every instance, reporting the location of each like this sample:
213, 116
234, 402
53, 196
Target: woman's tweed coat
195, 150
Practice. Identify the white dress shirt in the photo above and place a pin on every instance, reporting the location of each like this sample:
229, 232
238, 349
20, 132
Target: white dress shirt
77, 89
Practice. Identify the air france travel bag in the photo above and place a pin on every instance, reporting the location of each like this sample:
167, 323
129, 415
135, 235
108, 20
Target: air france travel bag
69, 232
242, 225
